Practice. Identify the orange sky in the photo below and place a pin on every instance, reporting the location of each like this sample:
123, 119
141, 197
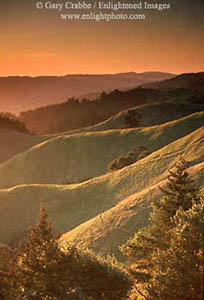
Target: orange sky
37, 42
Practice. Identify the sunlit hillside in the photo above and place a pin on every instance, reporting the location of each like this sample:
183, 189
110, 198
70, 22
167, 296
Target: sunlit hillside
112, 203
75, 158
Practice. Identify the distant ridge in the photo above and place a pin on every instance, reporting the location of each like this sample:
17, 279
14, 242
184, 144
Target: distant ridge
20, 93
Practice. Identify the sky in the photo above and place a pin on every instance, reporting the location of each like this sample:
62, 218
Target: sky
38, 42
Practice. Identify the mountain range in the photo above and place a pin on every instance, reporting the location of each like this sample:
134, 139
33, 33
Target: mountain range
20, 93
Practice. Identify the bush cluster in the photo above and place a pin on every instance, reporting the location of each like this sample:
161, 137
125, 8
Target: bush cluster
129, 158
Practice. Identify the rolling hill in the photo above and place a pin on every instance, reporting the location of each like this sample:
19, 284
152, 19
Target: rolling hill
20, 93
104, 211
75, 113
75, 158
111, 228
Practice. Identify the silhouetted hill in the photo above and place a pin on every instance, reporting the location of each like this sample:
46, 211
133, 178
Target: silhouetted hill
74, 114
23, 93
189, 80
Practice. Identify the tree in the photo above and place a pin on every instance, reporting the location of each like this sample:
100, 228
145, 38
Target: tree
181, 193
10, 121
46, 271
168, 255
178, 271
132, 119
40, 272
103, 96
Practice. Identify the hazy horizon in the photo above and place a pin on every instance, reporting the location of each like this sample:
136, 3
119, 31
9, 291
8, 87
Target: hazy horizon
38, 42
93, 74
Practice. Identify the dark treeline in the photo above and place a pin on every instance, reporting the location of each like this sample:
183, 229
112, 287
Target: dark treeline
10, 121
75, 113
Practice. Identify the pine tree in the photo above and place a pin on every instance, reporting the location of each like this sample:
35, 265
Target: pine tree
40, 273
181, 192
47, 272
178, 271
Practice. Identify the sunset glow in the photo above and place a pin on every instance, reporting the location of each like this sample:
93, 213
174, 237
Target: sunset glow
38, 42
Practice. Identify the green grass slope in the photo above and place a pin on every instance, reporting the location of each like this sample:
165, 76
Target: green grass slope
73, 205
15, 142
76, 158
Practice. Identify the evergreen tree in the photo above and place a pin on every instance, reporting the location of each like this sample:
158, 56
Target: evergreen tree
181, 192
46, 271
178, 271
40, 271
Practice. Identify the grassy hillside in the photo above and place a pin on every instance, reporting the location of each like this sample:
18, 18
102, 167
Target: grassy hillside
114, 226
111, 228
14, 142
126, 192
78, 157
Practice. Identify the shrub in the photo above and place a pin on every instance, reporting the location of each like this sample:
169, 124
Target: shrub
131, 157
